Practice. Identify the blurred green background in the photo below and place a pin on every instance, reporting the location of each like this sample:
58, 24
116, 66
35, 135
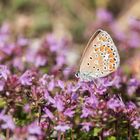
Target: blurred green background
36, 17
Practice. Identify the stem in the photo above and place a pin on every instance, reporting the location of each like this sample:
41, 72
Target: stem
63, 136
116, 129
39, 118
7, 134
129, 132
72, 137
101, 137
58, 135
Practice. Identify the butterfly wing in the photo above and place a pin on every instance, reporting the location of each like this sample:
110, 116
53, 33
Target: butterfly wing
100, 57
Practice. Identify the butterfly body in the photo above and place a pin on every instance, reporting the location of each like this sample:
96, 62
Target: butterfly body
100, 57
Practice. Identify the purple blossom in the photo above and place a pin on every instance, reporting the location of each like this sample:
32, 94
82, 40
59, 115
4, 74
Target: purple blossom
86, 112
59, 104
40, 61
92, 100
115, 104
2, 84
60, 61
86, 126
18, 63
130, 106
69, 112
52, 42
45, 79
4, 32
134, 23
56, 101
48, 97
7, 121
27, 108
27, 78
136, 123
7, 48
32, 138
48, 113
4, 72
107, 132
133, 40
34, 129
62, 127
132, 86
61, 84
104, 15
5, 28
51, 85
21, 41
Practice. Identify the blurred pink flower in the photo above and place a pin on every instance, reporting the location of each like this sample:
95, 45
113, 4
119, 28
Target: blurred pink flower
7, 121
62, 127
4, 72
34, 129
104, 15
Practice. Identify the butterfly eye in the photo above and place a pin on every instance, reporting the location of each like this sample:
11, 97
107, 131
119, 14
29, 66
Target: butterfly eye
90, 57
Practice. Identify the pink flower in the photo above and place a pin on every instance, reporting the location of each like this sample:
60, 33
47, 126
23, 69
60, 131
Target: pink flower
4, 72
62, 127
27, 78
136, 123
34, 129
7, 121
48, 113
86, 126
115, 104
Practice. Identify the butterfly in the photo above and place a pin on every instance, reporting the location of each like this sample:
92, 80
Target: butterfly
100, 57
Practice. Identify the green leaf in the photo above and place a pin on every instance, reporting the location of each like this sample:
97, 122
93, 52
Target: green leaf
111, 138
2, 102
96, 131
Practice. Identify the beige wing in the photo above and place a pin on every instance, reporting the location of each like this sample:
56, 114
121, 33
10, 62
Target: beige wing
100, 56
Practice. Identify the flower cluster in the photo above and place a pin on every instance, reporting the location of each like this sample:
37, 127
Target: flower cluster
38, 101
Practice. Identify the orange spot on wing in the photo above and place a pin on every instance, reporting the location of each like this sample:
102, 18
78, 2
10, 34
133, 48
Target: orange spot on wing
109, 50
111, 55
112, 60
110, 67
102, 48
96, 49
